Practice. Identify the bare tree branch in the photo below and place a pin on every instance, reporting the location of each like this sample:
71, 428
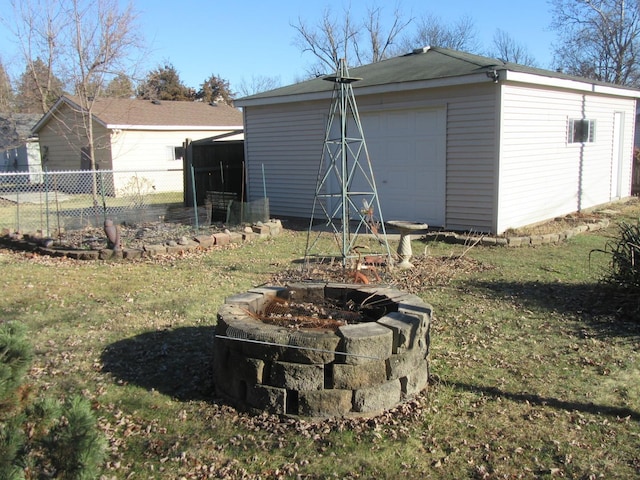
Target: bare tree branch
432, 31
598, 39
335, 37
508, 50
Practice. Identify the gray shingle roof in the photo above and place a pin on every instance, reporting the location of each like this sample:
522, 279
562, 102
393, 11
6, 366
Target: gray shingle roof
430, 63
15, 128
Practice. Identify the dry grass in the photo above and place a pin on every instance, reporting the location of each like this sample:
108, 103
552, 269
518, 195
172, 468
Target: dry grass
533, 376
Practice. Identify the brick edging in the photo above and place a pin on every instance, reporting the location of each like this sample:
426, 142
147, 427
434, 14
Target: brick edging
41, 246
523, 241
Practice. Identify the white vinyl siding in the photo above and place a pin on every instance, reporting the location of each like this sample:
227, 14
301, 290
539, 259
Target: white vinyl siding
128, 150
542, 175
286, 139
471, 158
285, 142
147, 150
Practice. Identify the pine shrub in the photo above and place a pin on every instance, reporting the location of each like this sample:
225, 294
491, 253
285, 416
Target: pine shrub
12, 441
75, 446
15, 358
64, 440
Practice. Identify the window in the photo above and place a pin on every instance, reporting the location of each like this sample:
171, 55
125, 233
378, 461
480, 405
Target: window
176, 153
582, 130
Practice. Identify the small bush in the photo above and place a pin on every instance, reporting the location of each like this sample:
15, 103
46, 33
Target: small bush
12, 440
624, 267
625, 257
75, 446
63, 439
15, 358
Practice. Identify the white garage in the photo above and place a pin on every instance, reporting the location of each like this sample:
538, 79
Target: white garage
456, 140
407, 151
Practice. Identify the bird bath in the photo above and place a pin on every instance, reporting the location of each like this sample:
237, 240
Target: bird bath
404, 247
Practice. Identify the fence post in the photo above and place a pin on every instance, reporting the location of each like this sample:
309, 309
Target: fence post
17, 210
46, 199
104, 201
195, 199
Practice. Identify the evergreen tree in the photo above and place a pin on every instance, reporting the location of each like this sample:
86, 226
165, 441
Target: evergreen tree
38, 88
75, 445
215, 89
120, 86
164, 83
63, 439
15, 358
6, 92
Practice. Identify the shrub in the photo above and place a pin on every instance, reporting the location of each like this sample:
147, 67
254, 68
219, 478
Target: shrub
624, 267
625, 257
15, 358
63, 439
75, 446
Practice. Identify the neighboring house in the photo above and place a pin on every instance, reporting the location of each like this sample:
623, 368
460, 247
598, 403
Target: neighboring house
138, 137
456, 140
19, 150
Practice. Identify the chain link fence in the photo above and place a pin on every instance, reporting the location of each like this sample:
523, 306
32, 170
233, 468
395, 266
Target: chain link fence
52, 202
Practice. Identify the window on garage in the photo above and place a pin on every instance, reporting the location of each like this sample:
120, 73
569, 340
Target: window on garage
582, 130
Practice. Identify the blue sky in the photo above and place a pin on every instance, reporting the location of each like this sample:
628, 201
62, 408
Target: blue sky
241, 39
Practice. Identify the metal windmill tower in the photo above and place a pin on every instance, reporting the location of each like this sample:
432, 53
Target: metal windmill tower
346, 190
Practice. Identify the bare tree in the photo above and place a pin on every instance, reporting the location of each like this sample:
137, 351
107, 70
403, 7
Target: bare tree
329, 40
381, 44
258, 84
598, 39
509, 50
340, 36
86, 43
37, 26
432, 31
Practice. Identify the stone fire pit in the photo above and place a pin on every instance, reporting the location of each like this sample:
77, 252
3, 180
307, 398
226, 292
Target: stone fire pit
321, 349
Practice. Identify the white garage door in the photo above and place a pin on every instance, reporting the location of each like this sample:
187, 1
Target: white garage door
407, 151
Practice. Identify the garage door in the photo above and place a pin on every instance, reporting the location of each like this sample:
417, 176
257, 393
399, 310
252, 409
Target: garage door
407, 151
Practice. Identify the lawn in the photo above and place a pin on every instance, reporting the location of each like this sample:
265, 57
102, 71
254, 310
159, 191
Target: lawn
533, 376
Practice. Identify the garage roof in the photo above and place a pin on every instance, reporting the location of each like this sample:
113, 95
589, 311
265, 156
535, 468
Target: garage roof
429, 64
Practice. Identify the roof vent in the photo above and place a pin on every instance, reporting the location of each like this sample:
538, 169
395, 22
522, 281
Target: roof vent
213, 104
155, 102
421, 50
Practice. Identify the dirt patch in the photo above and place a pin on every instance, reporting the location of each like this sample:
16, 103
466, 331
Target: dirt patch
427, 271
131, 236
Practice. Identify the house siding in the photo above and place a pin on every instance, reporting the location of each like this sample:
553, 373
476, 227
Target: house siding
286, 139
542, 175
472, 157
141, 153
149, 154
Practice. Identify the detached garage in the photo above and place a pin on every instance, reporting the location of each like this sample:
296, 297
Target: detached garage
459, 141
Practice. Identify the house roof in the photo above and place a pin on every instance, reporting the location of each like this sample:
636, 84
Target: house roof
126, 113
15, 128
428, 66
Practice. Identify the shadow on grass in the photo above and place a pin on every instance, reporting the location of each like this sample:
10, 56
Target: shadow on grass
598, 306
174, 362
591, 408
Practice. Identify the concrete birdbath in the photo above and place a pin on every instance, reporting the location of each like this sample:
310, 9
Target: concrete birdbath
404, 247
